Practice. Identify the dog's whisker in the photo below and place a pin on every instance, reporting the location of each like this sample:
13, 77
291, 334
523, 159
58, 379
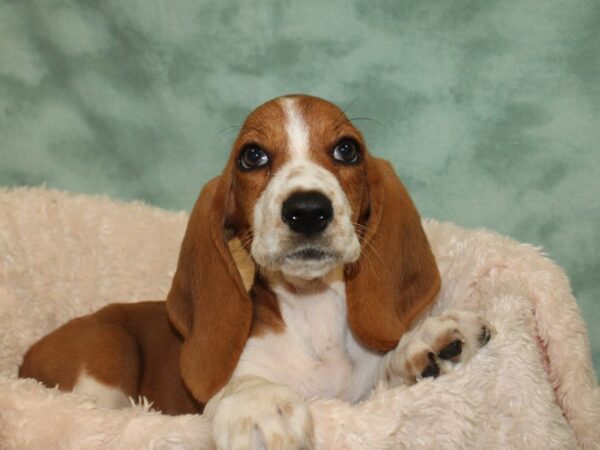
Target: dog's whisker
360, 226
352, 119
369, 251
366, 256
239, 129
246, 239
342, 113
253, 128
229, 128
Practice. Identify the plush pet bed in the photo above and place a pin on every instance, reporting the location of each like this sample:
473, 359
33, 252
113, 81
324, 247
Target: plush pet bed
532, 386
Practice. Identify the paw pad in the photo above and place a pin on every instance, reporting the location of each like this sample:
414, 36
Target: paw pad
485, 335
451, 350
432, 370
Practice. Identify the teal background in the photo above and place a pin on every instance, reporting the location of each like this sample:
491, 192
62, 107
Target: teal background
489, 110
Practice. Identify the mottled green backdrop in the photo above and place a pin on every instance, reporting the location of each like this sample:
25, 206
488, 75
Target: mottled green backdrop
489, 110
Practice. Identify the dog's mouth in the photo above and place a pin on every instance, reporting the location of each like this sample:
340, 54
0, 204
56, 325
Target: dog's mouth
308, 262
310, 253
307, 259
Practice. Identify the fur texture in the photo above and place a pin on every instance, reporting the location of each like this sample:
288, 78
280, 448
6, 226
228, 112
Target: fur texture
532, 386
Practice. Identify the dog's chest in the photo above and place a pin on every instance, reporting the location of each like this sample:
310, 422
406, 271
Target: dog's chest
311, 354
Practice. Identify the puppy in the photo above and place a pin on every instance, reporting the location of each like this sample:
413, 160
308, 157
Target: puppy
330, 269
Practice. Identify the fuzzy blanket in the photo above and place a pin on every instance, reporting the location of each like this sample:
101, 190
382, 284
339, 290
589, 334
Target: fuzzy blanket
532, 386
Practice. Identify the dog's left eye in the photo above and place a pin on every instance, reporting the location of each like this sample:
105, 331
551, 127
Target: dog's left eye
346, 151
253, 157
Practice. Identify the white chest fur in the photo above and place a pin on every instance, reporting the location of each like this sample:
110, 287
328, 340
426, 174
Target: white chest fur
317, 354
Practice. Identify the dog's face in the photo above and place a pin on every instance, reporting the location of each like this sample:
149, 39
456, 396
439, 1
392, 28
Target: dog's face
299, 186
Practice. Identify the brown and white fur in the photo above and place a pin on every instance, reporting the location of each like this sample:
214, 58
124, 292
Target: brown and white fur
253, 332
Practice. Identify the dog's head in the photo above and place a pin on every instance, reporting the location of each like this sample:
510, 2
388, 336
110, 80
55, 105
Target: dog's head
304, 196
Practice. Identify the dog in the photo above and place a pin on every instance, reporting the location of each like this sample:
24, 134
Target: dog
304, 273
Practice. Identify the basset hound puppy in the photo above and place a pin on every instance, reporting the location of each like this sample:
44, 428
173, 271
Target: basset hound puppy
304, 272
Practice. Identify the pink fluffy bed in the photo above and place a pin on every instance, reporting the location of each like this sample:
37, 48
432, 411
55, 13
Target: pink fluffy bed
532, 386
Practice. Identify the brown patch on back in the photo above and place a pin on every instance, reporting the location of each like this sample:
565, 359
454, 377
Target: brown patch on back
105, 350
111, 345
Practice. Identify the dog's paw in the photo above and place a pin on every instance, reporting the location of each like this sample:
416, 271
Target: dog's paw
262, 416
437, 346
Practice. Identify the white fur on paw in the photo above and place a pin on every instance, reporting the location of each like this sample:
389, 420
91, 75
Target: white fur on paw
262, 416
437, 346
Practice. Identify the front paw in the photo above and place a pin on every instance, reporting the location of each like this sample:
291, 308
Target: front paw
262, 415
437, 346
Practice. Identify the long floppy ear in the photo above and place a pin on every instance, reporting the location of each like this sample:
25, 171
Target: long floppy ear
396, 278
208, 303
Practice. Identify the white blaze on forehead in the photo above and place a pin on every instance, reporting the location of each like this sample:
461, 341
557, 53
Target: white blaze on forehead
296, 128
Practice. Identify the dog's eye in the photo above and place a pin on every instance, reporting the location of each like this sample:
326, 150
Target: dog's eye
346, 151
253, 157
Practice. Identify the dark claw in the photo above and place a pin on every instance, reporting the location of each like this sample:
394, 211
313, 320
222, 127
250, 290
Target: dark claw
432, 370
485, 336
451, 350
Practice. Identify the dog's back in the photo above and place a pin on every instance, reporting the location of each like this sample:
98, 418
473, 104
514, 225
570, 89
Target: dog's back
121, 351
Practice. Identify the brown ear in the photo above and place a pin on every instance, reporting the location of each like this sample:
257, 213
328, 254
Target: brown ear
396, 277
208, 303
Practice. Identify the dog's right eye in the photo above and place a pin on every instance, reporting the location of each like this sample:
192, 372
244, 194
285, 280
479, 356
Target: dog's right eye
346, 151
253, 157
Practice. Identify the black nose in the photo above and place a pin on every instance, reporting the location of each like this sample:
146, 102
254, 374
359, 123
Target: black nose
307, 212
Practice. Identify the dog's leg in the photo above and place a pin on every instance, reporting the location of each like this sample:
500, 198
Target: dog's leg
106, 396
437, 346
254, 413
89, 357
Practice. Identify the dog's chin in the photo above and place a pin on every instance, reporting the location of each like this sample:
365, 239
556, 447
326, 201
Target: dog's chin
308, 269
